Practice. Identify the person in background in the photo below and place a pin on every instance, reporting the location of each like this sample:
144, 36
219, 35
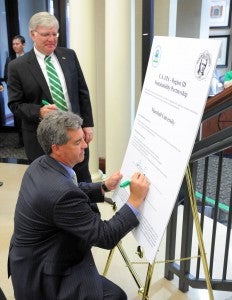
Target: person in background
28, 85
1, 183
18, 45
1, 90
215, 86
54, 225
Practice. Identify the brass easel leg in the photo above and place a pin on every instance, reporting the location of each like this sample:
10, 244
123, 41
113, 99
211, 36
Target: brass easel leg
143, 291
130, 266
150, 270
109, 259
198, 231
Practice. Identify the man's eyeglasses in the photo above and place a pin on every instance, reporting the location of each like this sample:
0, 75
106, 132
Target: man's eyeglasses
47, 34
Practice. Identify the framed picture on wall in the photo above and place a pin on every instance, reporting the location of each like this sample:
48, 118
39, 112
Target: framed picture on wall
220, 13
222, 61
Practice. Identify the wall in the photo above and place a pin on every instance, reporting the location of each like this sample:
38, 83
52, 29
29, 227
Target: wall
138, 51
100, 75
224, 32
188, 18
26, 9
162, 17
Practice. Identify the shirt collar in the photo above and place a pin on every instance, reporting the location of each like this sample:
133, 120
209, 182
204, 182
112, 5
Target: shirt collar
68, 169
18, 55
41, 55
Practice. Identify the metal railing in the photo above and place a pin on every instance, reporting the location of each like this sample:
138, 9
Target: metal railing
214, 198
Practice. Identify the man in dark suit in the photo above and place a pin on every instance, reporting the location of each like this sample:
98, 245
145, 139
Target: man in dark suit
28, 85
18, 45
54, 225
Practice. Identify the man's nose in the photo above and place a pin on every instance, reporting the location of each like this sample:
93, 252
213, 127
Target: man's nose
85, 145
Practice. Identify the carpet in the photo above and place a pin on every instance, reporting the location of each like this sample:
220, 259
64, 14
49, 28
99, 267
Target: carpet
8, 141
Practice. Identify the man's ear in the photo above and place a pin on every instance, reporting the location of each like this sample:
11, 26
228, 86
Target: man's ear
32, 35
55, 149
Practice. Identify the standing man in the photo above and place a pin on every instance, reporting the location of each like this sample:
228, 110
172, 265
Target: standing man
29, 83
18, 45
54, 225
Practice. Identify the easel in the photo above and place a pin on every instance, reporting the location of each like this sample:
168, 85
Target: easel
144, 290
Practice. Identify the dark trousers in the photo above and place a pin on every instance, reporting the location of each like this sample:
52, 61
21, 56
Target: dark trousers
82, 169
111, 291
2, 296
18, 126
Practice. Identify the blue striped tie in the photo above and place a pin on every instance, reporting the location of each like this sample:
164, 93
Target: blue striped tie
55, 85
74, 179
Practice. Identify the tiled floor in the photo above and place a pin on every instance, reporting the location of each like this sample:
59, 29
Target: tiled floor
160, 288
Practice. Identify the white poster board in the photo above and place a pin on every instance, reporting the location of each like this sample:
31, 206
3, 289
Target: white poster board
172, 102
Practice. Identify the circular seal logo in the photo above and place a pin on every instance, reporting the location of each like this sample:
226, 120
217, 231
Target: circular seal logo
156, 56
203, 65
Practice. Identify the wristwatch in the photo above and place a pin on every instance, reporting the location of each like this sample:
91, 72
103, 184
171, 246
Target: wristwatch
104, 187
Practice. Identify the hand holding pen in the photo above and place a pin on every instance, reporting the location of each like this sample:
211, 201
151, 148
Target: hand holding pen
46, 108
139, 186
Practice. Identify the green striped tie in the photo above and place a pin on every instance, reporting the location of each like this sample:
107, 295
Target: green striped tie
55, 85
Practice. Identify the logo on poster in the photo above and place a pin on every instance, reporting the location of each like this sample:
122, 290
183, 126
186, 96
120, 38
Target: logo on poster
156, 56
203, 65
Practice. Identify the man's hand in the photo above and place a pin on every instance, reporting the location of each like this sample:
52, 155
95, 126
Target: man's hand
47, 109
112, 182
139, 187
1, 88
88, 132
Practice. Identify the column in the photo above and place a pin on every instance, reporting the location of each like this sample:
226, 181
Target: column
82, 40
117, 81
188, 20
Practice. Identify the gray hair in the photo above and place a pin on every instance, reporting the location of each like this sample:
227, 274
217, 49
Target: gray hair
53, 129
43, 19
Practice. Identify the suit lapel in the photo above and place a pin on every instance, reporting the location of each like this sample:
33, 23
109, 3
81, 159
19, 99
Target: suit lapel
56, 165
64, 63
37, 73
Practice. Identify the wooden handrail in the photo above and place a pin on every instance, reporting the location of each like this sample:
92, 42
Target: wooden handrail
216, 118
219, 98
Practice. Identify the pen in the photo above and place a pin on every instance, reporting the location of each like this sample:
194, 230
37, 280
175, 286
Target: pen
125, 183
45, 102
